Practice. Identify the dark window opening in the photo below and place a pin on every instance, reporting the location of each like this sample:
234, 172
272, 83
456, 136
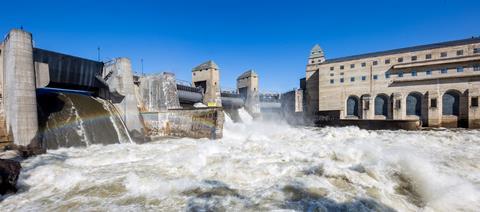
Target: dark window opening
428, 56
433, 103
414, 58
474, 101
375, 63
352, 66
364, 64
443, 54
400, 59
341, 67
459, 52
387, 61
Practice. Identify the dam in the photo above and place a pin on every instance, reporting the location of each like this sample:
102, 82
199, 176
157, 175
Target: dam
117, 140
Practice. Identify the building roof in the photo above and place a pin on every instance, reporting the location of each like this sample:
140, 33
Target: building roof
407, 49
248, 73
316, 51
206, 65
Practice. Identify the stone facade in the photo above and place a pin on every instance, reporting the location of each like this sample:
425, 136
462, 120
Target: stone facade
437, 84
207, 76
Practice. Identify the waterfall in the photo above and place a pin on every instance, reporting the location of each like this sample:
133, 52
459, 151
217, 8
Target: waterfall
72, 120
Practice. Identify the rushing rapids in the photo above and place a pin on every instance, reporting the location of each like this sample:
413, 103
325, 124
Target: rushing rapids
261, 166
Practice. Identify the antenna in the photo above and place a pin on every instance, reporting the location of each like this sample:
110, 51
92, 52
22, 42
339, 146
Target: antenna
141, 60
98, 53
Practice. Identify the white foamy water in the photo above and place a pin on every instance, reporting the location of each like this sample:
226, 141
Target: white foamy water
261, 166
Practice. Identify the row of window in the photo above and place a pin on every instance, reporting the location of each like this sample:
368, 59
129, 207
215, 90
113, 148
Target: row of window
412, 58
401, 74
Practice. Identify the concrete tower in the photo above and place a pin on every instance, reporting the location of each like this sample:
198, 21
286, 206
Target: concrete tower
311, 94
19, 100
207, 76
247, 86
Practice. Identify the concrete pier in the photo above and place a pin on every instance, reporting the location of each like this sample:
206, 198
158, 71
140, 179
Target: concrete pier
118, 75
19, 87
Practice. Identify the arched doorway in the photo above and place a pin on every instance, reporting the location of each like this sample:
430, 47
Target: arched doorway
381, 105
353, 104
414, 104
451, 103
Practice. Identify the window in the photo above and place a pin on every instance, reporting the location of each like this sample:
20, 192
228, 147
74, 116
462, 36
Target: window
443, 54
400, 74
433, 103
352, 65
459, 69
352, 79
476, 50
332, 81
332, 68
341, 80
364, 78
414, 73
400, 59
387, 61
331, 74
341, 73
428, 72
476, 67
364, 64
387, 75
375, 63
414, 58
459, 52
341, 67
443, 70
428, 56
375, 77
475, 101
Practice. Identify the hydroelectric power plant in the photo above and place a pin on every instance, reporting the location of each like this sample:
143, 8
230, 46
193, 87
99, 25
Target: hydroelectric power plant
93, 136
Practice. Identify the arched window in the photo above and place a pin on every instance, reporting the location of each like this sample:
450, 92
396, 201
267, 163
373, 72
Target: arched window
414, 104
381, 105
451, 103
352, 106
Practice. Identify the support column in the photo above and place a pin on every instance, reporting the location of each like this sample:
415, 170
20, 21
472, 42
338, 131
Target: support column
434, 103
19, 85
398, 106
367, 108
473, 108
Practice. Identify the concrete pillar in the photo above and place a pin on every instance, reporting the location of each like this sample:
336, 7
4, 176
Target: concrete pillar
434, 105
121, 83
367, 107
19, 83
159, 92
473, 110
399, 106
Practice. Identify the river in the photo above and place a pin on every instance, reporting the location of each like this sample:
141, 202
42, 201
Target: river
261, 166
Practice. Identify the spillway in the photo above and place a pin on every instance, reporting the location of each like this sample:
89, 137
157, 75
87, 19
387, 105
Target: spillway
69, 119
260, 166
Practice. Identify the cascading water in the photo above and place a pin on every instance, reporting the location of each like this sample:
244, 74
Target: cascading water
72, 120
261, 166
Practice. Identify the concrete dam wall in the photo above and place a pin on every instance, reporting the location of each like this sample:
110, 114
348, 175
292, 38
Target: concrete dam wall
51, 100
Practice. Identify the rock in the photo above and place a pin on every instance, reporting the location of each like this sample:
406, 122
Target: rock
9, 171
26, 151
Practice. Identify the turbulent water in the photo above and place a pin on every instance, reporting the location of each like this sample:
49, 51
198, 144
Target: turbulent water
261, 166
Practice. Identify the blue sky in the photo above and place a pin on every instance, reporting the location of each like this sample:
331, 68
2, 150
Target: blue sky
272, 37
